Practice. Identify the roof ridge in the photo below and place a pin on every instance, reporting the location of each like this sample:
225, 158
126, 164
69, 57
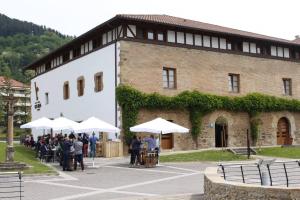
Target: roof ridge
204, 23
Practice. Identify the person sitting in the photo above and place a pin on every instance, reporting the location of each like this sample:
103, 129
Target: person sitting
45, 153
151, 143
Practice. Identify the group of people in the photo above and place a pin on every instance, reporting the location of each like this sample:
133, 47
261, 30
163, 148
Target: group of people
67, 150
137, 144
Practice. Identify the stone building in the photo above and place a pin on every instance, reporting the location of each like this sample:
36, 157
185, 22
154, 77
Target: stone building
169, 55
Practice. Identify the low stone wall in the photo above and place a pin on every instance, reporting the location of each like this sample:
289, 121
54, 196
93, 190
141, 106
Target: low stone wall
215, 188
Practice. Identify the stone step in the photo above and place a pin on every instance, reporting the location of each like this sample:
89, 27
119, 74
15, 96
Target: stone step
242, 151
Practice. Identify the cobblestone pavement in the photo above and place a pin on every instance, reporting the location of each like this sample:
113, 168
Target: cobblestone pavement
112, 179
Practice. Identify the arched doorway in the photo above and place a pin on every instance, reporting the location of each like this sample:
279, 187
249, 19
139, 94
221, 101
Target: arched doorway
283, 132
221, 132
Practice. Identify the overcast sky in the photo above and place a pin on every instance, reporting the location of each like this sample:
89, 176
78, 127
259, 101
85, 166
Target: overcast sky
278, 18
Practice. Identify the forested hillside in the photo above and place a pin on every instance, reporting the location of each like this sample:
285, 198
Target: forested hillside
23, 42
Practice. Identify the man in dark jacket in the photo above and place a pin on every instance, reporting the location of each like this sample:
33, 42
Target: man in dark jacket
135, 150
66, 154
85, 140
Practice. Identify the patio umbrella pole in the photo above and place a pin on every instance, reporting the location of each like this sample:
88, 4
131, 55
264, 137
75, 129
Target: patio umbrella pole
159, 148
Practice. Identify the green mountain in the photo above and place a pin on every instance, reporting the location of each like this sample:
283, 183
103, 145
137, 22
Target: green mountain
23, 42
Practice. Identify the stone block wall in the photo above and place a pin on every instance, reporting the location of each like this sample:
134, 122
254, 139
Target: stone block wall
141, 66
215, 187
237, 126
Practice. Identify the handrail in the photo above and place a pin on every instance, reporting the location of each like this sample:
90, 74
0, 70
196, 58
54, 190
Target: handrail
13, 188
273, 174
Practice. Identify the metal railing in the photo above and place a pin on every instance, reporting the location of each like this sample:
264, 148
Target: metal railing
11, 185
271, 173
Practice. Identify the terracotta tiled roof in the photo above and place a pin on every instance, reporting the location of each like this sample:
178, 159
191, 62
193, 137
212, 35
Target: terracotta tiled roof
297, 40
13, 82
181, 22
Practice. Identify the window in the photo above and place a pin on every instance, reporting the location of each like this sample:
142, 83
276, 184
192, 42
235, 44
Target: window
189, 39
150, 35
287, 86
280, 52
222, 43
198, 40
104, 39
98, 81
180, 37
131, 31
250, 48
160, 36
169, 78
215, 42
66, 90
206, 41
46, 98
171, 36
234, 83
229, 45
80, 86
76, 52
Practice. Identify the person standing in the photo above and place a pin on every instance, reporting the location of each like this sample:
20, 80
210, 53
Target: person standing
135, 151
66, 154
85, 141
93, 141
151, 143
78, 154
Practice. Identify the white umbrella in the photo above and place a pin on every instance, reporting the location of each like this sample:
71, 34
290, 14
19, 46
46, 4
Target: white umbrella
94, 124
41, 123
159, 126
62, 123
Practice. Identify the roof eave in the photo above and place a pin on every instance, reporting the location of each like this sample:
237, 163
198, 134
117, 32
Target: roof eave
31, 65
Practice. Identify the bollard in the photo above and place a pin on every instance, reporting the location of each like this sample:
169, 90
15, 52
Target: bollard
265, 179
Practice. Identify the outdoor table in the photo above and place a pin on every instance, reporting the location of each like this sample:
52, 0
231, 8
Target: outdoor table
148, 158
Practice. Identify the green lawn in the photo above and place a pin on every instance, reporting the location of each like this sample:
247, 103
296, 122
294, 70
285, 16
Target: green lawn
202, 156
26, 155
284, 152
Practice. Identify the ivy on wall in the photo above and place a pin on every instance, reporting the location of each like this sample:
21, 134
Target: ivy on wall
198, 105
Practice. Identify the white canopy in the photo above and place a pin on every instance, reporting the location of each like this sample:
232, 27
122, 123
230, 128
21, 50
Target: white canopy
158, 126
62, 123
94, 124
41, 123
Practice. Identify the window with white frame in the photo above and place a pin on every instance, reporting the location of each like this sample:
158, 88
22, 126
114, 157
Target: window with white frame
250, 47
206, 41
189, 38
214, 42
234, 83
180, 37
171, 36
169, 78
280, 52
287, 86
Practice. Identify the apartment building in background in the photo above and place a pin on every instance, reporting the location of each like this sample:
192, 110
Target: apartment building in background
21, 94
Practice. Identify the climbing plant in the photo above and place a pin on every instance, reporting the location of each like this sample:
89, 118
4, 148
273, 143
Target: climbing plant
198, 105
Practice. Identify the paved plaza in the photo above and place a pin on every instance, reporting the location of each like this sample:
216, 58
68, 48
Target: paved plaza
113, 179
